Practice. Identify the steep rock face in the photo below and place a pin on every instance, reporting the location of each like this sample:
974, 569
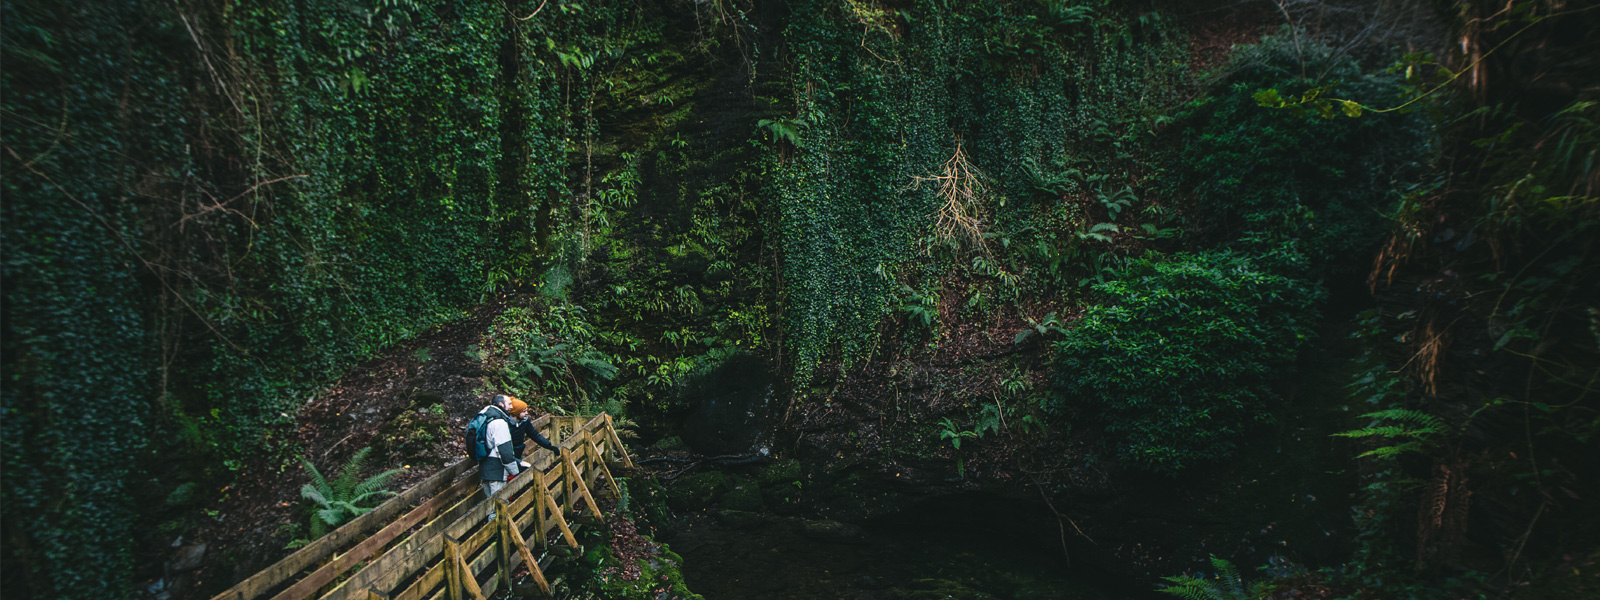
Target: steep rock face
734, 415
874, 454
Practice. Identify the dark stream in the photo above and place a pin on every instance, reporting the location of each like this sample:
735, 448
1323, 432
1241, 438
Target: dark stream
782, 559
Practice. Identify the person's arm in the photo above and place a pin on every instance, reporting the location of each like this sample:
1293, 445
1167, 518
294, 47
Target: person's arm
533, 434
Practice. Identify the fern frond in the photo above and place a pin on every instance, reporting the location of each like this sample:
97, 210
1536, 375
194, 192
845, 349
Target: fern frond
317, 480
358, 500
350, 476
311, 493
1422, 420
1191, 588
375, 483
1385, 430
1229, 576
331, 516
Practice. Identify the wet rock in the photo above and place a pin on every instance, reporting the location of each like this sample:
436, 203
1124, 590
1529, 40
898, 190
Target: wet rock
671, 447
740, 519
697, 491
734, 412
829, 530
782, 471
181, 496
744, 496
188, 558
937, 589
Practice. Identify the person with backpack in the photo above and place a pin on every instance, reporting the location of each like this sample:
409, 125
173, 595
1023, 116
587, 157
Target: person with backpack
522, 430
488, 439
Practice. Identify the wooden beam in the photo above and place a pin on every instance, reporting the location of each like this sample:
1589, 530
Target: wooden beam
422, 548
561, 522
305, 588
567, 476
611, 431
539, 517
527, 558
320, 549
464, 576
590, 456
616, 491
583, 489
452, 575
503, 519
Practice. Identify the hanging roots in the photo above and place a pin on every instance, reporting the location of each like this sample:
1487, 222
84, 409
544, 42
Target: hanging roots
961, 187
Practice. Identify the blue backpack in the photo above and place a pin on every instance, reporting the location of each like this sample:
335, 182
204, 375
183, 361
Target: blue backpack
477, 433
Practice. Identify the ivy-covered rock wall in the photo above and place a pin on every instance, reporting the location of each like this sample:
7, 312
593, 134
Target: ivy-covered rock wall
212, 209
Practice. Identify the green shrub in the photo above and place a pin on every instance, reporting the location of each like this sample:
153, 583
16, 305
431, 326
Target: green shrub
342, 499
1246, 168
1179, 359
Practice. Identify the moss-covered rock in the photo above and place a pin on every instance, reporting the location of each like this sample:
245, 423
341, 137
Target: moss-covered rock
745, 495
937, 589
671, 446
697, 491
661, 572
783, 471
740, 519
825, 529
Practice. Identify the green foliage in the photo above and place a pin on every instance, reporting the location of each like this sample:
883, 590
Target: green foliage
550, 352
1037, 96
343, 498
1406, 430
1245, 169
212, 210
1226, 584
954, 434
1179, 359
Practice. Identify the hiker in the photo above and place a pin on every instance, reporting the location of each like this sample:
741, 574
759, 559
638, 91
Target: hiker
522, 430
497, 462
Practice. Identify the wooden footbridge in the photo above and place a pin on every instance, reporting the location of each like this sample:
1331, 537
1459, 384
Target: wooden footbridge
435, 541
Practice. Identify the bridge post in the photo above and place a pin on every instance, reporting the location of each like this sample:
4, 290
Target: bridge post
583, 490
452, 575
540, 510
505, 523
615, 491
567, 475
590, 457
527, 557
616, 442
458, 571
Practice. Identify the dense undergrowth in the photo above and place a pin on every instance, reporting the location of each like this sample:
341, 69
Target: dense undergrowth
213, 210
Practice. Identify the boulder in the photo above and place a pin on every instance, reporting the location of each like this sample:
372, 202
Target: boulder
696, 491
745, 495
829, 530
188, 558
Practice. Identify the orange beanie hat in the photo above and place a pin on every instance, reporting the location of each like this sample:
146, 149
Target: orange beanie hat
517, 406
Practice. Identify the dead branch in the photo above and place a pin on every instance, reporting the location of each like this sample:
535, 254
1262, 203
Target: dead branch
962, 188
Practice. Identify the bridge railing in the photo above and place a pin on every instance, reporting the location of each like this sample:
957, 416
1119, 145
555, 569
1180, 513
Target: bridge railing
435, 541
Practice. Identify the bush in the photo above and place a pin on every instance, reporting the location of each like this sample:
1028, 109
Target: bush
1247, 168
1179, 359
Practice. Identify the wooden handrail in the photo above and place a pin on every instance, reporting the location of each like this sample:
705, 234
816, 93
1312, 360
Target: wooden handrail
451, 544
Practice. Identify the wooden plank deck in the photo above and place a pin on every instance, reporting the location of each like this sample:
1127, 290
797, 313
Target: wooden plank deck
435, 540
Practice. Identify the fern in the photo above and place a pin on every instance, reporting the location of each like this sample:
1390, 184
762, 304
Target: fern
1407, 431
343, 498
1228, 584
